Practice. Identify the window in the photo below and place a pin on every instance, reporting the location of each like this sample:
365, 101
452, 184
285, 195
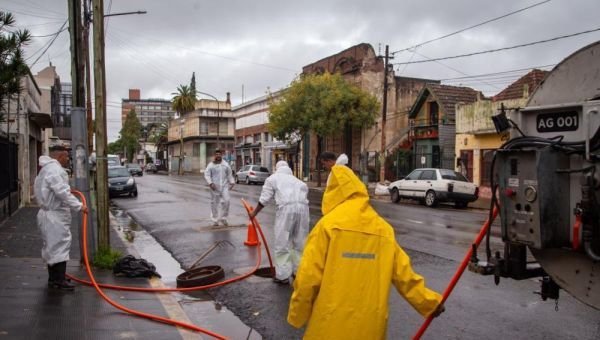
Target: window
414, 175
452, 175
263, 169
256, 137
240, 139
203, 128
433, 113
428, 175
266, 137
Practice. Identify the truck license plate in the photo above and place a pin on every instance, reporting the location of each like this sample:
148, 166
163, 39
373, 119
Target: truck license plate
557, 121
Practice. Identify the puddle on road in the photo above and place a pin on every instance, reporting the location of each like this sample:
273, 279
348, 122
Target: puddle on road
199, 305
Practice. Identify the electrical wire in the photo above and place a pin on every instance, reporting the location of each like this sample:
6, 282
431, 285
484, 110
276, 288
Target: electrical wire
471, 27
29, 14
500, 72
49, 35
501, 49
49, 44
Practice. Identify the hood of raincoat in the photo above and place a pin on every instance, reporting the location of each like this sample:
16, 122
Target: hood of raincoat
45, 160
343, 185
342, 159
284, 170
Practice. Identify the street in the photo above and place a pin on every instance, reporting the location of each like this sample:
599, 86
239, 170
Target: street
176, 212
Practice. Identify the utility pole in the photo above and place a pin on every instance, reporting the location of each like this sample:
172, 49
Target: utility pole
100, 96
86, 55
81, 171
384, 114
77, 65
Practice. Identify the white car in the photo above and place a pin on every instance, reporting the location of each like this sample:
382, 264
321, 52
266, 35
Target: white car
432, 186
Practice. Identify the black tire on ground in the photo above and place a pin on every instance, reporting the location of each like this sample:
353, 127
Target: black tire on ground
395, 195
134, 193
430, 199
200, 276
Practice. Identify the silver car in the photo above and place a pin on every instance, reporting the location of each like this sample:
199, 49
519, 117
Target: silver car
252, 174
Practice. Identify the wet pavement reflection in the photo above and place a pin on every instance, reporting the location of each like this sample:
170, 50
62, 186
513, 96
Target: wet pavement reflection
200, 307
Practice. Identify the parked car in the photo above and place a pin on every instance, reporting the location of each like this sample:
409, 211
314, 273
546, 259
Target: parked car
252, 174
151, 167
135, 169
113, 160
121, 182
432, 186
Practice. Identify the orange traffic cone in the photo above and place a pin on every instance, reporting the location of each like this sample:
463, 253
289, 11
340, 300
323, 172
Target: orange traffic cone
252, 239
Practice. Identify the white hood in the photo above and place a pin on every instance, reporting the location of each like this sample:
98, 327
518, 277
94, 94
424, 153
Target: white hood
44, 160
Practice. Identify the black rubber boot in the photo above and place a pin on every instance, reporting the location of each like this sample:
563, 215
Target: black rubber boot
51, 275
60, 281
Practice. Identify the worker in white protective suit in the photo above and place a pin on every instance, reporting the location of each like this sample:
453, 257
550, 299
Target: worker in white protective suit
53, 195
291, 219
219, 177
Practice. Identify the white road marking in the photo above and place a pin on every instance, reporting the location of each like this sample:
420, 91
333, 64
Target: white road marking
414, 221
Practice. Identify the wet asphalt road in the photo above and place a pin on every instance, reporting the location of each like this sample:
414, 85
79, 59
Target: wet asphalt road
176, 212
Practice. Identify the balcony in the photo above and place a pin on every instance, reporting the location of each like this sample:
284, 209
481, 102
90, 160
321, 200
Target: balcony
63, 133
425, 129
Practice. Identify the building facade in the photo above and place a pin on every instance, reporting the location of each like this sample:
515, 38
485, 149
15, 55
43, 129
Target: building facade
360, 65
193, 138
148, 111
21, 143
253, 142
433, 124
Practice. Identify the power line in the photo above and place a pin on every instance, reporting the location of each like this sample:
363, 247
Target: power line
474, 26
501, 72
281, 68
29, 14
500, 49
49, 35
50, 44
453, 69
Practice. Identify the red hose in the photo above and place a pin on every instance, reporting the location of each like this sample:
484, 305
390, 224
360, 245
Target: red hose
137, 289
459, 271
257, 226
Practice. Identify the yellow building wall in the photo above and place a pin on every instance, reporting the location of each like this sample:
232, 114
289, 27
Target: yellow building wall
478, 143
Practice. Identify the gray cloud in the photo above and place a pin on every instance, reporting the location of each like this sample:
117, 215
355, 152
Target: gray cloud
264, 44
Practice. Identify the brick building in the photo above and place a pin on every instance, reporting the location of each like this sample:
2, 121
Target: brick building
149, 111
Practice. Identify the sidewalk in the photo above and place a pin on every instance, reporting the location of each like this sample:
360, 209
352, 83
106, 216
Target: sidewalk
31, 311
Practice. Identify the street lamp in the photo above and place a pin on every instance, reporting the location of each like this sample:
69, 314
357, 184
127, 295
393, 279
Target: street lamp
182, 123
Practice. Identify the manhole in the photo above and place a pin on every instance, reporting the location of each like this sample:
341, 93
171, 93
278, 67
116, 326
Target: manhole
200, 276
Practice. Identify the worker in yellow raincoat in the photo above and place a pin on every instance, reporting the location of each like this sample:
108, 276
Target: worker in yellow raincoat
350, 260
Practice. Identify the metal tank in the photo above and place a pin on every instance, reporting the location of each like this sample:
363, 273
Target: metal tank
548, 180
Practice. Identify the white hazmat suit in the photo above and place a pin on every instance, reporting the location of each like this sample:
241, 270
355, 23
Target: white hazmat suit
221, 176
53, 195
291, 218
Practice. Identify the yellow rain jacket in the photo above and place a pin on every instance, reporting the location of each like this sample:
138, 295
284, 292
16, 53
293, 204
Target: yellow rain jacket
350, 259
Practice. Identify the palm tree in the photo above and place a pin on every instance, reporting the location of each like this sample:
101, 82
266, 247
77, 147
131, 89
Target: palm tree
12, 62
184, 99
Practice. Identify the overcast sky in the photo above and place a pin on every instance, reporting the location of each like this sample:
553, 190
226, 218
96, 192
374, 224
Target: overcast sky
256, 45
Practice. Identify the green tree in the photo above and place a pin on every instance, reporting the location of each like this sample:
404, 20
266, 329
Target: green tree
131, 134
12, 62
324, 104
184, 100
115, 147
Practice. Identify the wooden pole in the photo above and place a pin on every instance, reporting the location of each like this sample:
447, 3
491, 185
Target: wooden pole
101, 135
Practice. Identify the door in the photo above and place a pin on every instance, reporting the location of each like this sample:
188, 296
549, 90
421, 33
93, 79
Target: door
425, 183
410, 184
466, 164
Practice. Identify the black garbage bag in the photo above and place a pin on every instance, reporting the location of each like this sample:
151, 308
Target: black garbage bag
129, 266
